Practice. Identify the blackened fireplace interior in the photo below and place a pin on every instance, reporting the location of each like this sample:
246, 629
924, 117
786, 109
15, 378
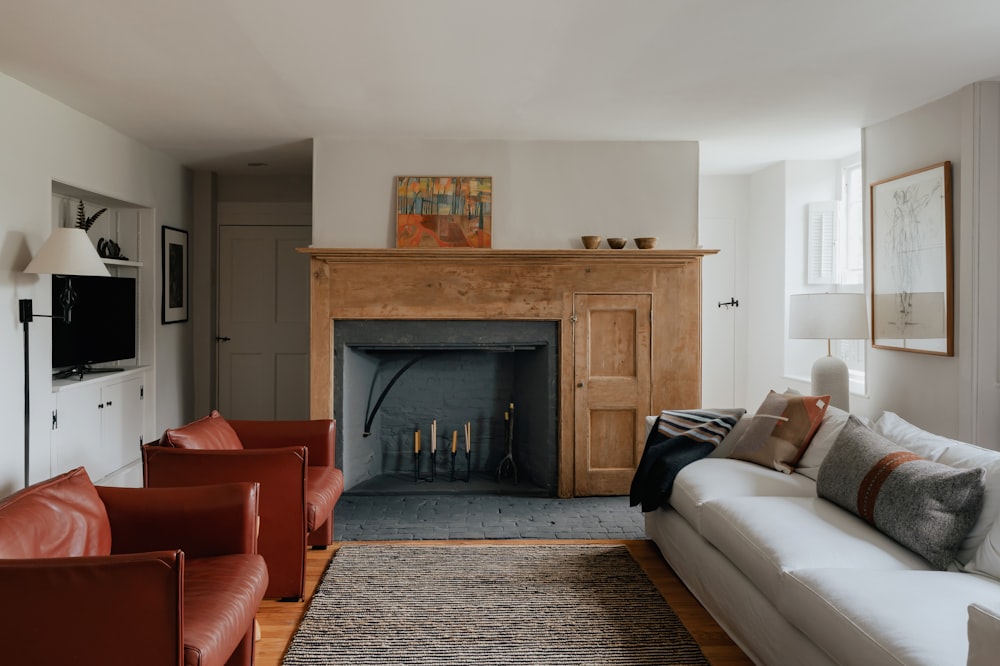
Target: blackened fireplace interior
394, 377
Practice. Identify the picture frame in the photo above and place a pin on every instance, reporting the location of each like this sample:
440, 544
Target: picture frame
912, 266
174, 273
444, 211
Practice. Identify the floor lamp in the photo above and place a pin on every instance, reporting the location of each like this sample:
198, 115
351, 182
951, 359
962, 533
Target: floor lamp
68, 251
829, 317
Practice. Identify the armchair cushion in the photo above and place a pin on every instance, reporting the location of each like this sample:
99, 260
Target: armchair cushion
210, 433
60, 517
221, 595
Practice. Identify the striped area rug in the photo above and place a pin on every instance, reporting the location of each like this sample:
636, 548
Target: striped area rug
490, 604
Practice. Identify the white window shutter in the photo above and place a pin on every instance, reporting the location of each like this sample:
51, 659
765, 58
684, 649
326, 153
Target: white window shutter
824, 218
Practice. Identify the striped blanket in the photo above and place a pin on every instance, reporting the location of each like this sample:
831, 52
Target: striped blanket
677, 439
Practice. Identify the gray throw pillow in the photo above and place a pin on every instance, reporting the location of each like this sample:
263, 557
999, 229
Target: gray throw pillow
926, 506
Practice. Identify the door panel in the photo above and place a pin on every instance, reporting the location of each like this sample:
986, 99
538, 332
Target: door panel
264, 313
612, 389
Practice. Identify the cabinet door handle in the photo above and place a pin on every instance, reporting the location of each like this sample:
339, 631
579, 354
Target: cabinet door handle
220, 338
108, 403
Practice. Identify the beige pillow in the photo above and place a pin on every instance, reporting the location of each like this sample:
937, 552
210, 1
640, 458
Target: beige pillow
780, 431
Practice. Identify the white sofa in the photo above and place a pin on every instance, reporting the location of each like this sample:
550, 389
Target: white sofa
794, 579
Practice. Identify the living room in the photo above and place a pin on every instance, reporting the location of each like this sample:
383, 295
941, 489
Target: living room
655, 186
661, 180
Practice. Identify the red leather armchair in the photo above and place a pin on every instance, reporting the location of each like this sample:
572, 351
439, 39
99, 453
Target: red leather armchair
107, 576
293, 461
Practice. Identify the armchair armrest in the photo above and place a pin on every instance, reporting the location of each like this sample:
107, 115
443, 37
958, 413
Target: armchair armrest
281, 474
108, 610
203, 521
317, 435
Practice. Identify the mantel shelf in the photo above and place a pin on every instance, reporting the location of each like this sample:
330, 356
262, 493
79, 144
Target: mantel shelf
480, 255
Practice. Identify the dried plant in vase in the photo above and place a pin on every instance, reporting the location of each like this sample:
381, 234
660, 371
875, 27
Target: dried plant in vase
84, 222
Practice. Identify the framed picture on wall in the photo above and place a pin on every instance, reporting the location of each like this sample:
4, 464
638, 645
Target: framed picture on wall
912, 290
435, 211
174, 266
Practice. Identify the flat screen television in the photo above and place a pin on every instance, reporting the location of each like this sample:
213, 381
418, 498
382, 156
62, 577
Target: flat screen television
102, 326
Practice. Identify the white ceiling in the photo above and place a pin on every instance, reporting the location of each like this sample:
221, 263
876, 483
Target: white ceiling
219, 83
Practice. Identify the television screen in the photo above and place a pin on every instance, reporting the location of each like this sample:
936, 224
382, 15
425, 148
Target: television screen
102, 325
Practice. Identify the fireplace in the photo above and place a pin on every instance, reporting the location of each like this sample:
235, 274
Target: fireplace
395, 377
627, 343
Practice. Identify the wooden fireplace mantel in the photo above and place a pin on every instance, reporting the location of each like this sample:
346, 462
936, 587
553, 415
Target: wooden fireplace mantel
478, 284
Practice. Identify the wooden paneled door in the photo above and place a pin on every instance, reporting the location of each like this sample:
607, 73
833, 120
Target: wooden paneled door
263, 322
611, 389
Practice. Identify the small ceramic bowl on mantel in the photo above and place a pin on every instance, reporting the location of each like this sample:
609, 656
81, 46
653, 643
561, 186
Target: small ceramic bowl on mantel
617, 243
646, 243
591, 242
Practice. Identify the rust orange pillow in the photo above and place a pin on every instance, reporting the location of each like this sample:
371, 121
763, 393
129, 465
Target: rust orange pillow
780, 431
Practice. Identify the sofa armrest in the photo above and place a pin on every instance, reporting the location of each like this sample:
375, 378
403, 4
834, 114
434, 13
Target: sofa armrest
317, 435
203, 521
109, 610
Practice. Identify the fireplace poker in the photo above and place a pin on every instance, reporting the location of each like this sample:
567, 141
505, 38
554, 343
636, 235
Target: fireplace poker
507, 464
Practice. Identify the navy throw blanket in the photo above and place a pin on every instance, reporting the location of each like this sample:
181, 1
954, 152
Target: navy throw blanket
678, 438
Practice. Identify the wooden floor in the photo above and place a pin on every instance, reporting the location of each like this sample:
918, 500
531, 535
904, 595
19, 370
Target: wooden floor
278, 620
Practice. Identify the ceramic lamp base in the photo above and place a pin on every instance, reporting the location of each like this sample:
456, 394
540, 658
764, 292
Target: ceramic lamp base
829, 377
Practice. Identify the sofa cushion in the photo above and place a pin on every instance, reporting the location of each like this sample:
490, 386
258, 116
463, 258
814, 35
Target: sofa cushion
984, 635
60, 517
221, 596
964, 456
324, 486
864, 616
717, 478
211, 432
780, 430
766, 537
926, 506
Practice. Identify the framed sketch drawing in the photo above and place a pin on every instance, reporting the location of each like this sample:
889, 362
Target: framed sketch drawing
174, 266
912, 291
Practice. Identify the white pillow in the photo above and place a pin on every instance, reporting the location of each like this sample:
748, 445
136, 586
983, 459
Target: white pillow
925, 444
829, 428
984, 636
980, 551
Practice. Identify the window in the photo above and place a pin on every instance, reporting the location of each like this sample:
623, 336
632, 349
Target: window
850, 271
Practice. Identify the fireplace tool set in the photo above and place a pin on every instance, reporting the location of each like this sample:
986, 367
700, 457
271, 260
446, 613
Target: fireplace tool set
467, 427
507, 464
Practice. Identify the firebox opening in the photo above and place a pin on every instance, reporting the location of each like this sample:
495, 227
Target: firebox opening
397, 377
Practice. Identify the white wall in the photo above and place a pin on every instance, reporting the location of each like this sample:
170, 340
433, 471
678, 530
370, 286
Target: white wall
765, 278
44, 140
546, 194
923, 389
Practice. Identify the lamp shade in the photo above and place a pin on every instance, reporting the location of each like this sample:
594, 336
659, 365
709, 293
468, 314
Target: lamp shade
828, 316
68, 251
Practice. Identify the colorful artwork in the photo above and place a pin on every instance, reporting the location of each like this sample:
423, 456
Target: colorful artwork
444, 212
